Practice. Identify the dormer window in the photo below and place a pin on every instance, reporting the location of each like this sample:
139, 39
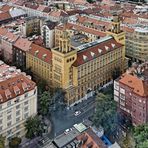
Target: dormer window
44, 56
107, 48
100, 50
25, 87
36, 52
84, 57
92, 54
16, 90
8, 93
113, 45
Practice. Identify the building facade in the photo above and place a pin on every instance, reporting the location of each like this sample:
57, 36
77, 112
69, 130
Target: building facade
39, 60
18, 101
131, 94
48, 34
20, 48
80, 70
137, 45
30, 26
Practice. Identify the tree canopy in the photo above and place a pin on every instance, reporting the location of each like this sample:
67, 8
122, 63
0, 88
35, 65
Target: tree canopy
105, 115
141, 135
14, 142
34, 127
44, 102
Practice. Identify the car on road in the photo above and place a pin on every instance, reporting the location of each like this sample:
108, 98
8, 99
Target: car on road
77, 113
67, 131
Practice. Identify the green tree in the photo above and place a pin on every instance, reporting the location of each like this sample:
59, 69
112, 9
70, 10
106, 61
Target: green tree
14, 142
42, 86
44, 102
105, 115
34, 127
140, 134
2, 141
144, 144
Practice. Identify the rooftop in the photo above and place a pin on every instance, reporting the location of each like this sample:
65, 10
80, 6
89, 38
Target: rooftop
13, 82
64, 139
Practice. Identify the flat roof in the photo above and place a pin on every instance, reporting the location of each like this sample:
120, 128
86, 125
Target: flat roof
64, 139
80, 127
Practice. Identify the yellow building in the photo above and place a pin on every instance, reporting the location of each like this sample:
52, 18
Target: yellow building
39, 60
80, 70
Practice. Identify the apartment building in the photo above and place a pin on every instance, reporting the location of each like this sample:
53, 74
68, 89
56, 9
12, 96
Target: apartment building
131, 94
30, 26
137, 45
48, 34
18, 101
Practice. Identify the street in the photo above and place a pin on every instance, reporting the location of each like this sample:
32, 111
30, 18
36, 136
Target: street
62, 120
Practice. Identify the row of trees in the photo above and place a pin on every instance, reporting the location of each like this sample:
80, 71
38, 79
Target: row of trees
140, 134
105, 114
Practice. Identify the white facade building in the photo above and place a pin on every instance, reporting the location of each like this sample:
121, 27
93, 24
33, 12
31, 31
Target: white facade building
48, 34
18, 101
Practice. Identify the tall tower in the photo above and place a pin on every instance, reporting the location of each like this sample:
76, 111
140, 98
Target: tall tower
119, 36
116, 31
63, 57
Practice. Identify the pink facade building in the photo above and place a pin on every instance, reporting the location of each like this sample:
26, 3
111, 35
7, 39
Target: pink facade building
7, 42
131, 94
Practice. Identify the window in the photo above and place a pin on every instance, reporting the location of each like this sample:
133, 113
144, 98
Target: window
17, 119
9, 117
8, 111
26, 115
26, 95
18, 106
26, 108
25, 103
8, 103
18, 113
9, 124
0, 106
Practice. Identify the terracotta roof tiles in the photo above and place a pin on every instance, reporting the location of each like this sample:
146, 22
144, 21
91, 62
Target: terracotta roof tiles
41, 53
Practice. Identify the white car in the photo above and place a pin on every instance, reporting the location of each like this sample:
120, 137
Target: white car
77, 113
67, 131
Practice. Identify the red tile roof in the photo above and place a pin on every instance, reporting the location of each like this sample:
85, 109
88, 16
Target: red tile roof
3, 31
138, 85
91, 53
41, 53
9, 87
4, 16
23, 44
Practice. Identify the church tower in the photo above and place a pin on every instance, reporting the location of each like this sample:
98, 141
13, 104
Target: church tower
116, 31
63, 57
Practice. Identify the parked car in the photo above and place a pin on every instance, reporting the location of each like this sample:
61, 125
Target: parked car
77, 113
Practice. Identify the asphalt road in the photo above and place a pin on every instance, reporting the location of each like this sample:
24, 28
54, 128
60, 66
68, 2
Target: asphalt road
62, 120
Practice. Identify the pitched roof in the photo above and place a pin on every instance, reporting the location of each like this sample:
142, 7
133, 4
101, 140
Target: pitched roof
4, 16
138, 85
23, 44
41, 53
3, 31
5, 8
10, 87
97, 50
